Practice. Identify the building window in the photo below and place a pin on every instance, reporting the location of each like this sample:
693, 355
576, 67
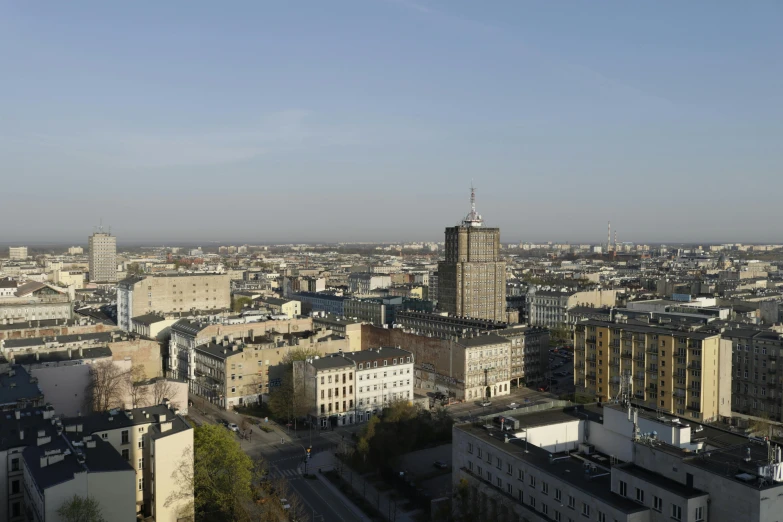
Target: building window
558, 494
470, 448
141, 484
640, 495
676, 512
585, 509
533, 502
544, 488
700, 510
15, 487
15, 464
125, 437
520, 475
532, 481
623, 489
141, 463
657, 503
126, 454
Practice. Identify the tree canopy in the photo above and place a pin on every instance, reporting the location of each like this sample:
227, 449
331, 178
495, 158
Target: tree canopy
81, 509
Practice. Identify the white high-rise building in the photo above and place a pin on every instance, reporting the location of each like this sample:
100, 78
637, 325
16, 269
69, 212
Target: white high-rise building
103, 258
17, 253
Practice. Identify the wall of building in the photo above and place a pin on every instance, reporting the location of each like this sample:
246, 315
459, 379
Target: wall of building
170, 453
29, 330
144, 352
113, 490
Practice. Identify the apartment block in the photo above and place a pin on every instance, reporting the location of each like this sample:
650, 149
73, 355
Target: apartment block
123, 459
102, 258
171, 294
327, 385
683, 372
17, 253
383, 375
757, 386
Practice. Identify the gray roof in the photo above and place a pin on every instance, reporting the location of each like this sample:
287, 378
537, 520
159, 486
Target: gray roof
384, 352
15, 433
99, 352
18, 387
570, 471
31, 342
641, 328
106, 421
331, 361
148, 319
102, 458
662, 482
219, 351
482, 340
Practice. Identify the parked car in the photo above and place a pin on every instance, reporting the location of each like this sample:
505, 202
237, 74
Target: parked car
440, 464
232, 427
513, 406
285, 504
543, 388
486, 403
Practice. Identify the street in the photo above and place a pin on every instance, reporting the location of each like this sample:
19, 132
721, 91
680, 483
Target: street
285, 452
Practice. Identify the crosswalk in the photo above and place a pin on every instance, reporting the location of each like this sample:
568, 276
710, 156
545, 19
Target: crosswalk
287, 473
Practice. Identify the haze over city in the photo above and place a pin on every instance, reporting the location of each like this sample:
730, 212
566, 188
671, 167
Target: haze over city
367, 120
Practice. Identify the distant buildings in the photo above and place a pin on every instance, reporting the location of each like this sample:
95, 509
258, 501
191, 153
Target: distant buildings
102, 257
17, 253
472, 278
35, 301
171, 293
75, 251
756, 372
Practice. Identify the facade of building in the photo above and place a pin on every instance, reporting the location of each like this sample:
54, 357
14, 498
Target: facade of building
75, 251
487, 365
548, 308
327, 384
170, 294
529, 345
102, 258
383, 375
17, 253
677, 371
364, 283
757, 386
26, 309
472, 278
613, 464
321, 302
287, 307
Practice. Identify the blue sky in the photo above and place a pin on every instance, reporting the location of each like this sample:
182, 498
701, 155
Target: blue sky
366, 120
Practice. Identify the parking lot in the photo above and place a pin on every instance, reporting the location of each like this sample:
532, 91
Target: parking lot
561, 367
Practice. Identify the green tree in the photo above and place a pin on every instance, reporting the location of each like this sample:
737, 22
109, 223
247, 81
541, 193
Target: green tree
81, 509
222, 474
238, 303
134, 269
288, 399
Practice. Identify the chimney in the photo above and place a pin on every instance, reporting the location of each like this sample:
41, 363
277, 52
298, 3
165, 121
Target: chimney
21, 434
44, 461
81, 352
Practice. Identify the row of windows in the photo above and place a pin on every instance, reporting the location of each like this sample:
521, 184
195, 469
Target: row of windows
675, 510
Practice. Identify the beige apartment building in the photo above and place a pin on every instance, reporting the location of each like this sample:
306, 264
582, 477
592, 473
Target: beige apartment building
327, 385
472, 278
682, 372
171, 294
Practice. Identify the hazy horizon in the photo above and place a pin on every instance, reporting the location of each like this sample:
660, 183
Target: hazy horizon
367, 120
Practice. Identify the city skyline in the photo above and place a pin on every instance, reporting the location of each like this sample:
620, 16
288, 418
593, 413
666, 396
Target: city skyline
283, 124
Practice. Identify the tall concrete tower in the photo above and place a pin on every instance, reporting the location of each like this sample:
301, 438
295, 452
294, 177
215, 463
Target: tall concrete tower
472, 278
103, 257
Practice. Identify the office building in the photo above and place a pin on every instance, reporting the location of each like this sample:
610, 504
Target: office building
17, 253
682, 372
75, 251
171, 294
472, 278
102, 257
612, 463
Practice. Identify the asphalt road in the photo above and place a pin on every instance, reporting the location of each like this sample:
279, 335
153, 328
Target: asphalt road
319, 503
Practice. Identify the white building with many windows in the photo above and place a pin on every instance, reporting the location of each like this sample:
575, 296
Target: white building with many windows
383, 375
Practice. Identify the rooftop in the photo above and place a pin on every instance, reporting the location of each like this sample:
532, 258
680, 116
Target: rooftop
17, 386
373, 354
148, 319
482, 340
568, 470
331, 361
62, 356
642, 328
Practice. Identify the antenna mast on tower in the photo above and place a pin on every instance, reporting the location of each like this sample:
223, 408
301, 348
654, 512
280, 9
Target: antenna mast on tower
608, 235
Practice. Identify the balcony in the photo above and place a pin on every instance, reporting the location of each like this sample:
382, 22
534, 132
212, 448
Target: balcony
696, 365
652, 369
652, 349
693, 406
639, 376
627, 355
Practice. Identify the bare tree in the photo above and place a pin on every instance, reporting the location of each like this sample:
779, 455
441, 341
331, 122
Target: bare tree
105, 389
162, 389
136, 388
